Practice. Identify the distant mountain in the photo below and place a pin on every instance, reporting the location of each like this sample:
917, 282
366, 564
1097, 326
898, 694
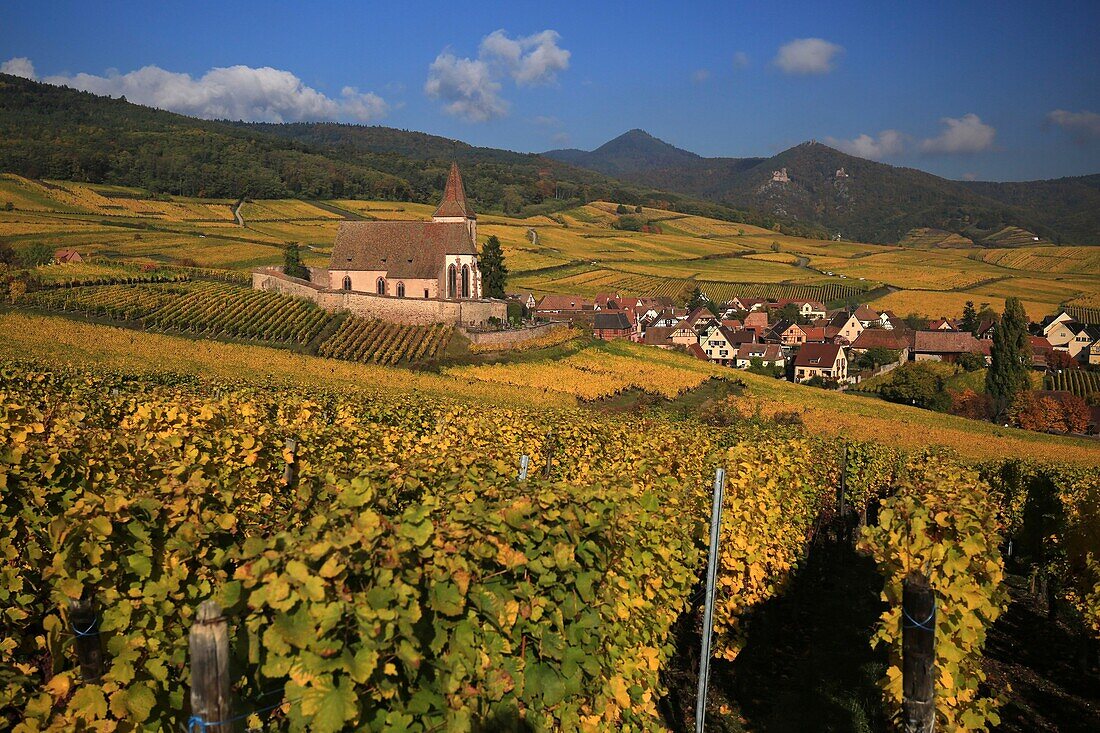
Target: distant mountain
55, 132
857, 198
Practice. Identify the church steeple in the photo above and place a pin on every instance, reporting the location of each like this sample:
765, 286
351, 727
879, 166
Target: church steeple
454, 204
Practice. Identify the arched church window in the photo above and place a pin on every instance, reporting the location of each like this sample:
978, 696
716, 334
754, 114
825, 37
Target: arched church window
347, 282
465, 281
451, 281
380, 286
400, 290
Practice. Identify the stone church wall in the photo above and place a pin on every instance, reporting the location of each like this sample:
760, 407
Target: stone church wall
382, 307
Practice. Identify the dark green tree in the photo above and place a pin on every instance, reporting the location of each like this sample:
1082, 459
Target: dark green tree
36, 254
696, 299
969, 320
915, 383
1010, 371
292, 262
494, 274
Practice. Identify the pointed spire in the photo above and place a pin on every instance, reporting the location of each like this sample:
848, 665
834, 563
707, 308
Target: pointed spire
454, 197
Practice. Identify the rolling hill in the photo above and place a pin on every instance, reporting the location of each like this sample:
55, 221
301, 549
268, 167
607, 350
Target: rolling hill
872, 202
57, 133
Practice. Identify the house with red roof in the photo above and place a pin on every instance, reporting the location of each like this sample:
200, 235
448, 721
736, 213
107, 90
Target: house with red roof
827, 361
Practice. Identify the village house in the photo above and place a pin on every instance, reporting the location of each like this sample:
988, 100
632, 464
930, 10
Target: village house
847, 325
788, 334
699, 317
683, 335
943, 324
527, 300
809, 309
412, 259
611, 324
768, 354
890, 320
867, 317
738, 303
563, 307
757, 321
881, 338
660, 336
66, 256
946, 345
827, 361
720, 344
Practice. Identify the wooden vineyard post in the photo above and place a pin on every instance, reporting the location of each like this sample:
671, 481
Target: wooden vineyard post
918, 654
290, 473
841, 499
209, 643
549, 456
84, 622
708, 608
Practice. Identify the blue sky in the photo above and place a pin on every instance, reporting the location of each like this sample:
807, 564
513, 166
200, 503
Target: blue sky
995, 91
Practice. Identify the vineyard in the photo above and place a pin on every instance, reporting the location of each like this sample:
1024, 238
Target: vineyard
400, 576
1078, 381
222, 309
378, 342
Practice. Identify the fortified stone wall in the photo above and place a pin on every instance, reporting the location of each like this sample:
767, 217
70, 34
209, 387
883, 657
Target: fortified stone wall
415, 311
509, 338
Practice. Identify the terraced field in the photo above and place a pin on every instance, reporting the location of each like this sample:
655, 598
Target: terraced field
574, 251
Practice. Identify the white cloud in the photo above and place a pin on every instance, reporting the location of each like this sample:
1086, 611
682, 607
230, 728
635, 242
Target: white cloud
18, 66
560, 138
233, 92
470, 88
546, 120
699, 76
808, 56
888, 144
1082, 125
966, 134
529, 60
466, 87
740, 60
970, 176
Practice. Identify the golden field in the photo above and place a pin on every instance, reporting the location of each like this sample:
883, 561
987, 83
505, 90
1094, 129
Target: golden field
575, 251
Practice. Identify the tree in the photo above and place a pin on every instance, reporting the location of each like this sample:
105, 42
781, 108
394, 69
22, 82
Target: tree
696, 299
970, 362
1010, 371
971, 404
638, 209
494, 274
621, 209
292, 262
35, 255
775, 246
914, 383
969, 320
7, 254
875, 357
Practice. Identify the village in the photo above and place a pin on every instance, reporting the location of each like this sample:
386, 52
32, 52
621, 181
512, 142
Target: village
805, 342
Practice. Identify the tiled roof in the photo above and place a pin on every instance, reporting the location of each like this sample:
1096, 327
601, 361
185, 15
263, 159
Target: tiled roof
611, 320
948, 342
454, 197
881, 338
409, 249
767, 352
817, 355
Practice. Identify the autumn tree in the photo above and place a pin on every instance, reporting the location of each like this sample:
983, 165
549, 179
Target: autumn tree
969, 320
494, 274
1010, 372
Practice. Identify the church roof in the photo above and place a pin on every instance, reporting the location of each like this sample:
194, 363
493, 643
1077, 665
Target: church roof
405, 249
454, 197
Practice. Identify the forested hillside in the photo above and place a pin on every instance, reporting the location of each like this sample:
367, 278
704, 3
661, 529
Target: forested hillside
50, 132
872, 202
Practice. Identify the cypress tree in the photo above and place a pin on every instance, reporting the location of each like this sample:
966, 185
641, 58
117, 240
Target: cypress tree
1010, 371
494, 274
970, 318
292, 262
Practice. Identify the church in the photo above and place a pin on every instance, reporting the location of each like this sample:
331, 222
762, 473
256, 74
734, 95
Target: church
434, 259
